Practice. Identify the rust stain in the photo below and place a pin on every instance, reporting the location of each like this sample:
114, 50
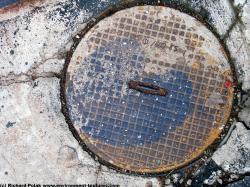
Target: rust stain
20, 5
196, 65
147, 88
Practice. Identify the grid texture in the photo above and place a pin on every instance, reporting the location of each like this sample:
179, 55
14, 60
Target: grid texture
144, 132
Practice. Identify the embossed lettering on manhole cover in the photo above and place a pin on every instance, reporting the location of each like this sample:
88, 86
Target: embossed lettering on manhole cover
148, 89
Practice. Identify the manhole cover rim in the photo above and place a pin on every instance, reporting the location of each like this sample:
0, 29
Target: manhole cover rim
119, 166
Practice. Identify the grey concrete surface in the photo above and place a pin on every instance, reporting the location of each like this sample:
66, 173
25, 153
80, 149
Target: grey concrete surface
236, 152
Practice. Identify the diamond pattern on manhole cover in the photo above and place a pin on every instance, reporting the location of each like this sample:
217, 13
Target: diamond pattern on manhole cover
150, 48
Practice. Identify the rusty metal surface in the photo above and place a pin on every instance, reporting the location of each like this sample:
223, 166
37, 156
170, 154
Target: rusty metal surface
149, 132
13, 8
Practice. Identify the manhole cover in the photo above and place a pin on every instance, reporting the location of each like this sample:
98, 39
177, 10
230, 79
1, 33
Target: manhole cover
148, 89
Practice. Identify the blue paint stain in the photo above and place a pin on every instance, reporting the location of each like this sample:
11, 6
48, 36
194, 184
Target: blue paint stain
72, 9
96, 6
4, 3
91, 6
10, 124
133, 118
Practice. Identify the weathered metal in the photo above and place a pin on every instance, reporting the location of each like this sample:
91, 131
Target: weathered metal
144, 132
147, 88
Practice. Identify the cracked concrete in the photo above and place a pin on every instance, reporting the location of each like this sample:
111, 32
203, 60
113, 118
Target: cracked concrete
236, 152
36, 144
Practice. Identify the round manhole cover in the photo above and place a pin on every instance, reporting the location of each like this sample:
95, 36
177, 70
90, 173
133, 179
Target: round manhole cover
148, 89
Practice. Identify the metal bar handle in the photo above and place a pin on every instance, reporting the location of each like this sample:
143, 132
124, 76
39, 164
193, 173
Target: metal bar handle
147, 88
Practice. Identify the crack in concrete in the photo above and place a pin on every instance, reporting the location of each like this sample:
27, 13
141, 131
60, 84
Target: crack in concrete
238, 20
98, 171
11, 166
26, 78
237, 10
32, 74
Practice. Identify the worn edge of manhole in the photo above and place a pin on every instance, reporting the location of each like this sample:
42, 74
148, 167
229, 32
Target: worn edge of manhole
184, 8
